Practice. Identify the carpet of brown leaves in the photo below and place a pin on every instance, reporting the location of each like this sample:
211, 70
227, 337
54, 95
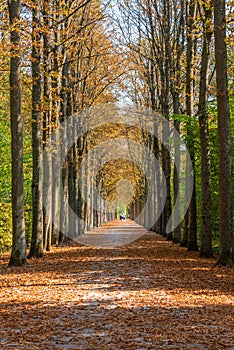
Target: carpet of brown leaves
150, 294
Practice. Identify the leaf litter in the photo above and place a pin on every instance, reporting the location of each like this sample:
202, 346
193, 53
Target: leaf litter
150, 294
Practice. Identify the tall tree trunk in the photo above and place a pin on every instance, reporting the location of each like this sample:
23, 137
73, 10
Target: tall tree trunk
184, 241
152, 82
18, 253
47, 173
224, 137
176, 184
81, 148
206, 239
192, 210
56, 86
91, 197
71, 186
166, 113
63, 220
36, 249
78, 182
63, 144
158, 227
175, 91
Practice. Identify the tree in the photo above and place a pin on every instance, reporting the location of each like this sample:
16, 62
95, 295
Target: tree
192, 211
224, 137
36, 248
206, 239
18, 254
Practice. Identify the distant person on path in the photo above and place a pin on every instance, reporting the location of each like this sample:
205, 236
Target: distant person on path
122, 217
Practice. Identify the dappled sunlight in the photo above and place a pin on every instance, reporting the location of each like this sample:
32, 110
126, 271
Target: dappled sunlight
148, 292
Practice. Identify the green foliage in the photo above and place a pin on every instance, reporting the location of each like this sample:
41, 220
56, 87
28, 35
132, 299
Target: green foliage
191, 137
5, 227
5, 159
213, 133
5, 144
189, 130
5, 174
190, 133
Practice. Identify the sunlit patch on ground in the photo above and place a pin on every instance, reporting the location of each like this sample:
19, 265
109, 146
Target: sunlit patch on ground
150, 294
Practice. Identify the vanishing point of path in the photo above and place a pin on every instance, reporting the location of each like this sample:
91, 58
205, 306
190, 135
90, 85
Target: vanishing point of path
149, 294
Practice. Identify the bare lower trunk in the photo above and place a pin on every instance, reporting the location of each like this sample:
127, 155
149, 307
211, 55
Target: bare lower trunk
36, 249
184, 241
63, 222
224, 136
176, 187
47, 160
18, 253
192, 218
206, 239
192, 211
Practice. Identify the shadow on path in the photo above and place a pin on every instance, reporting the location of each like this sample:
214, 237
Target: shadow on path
150, 294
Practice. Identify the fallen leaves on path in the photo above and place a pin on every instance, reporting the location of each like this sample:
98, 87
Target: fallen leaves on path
150, 294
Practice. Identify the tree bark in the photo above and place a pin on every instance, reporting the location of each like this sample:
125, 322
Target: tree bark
36, 249
47, 171
206, 238
184, 241
18, 253
175, 92
226, 256
192, 211
63, 144
176, 185
56, 87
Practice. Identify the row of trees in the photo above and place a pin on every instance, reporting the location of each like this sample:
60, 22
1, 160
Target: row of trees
176, 52
69, 67
166, 57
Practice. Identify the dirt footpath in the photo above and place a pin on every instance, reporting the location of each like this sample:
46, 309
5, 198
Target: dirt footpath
149, 294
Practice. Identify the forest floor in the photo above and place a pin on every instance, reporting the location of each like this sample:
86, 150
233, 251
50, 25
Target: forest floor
149, 294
